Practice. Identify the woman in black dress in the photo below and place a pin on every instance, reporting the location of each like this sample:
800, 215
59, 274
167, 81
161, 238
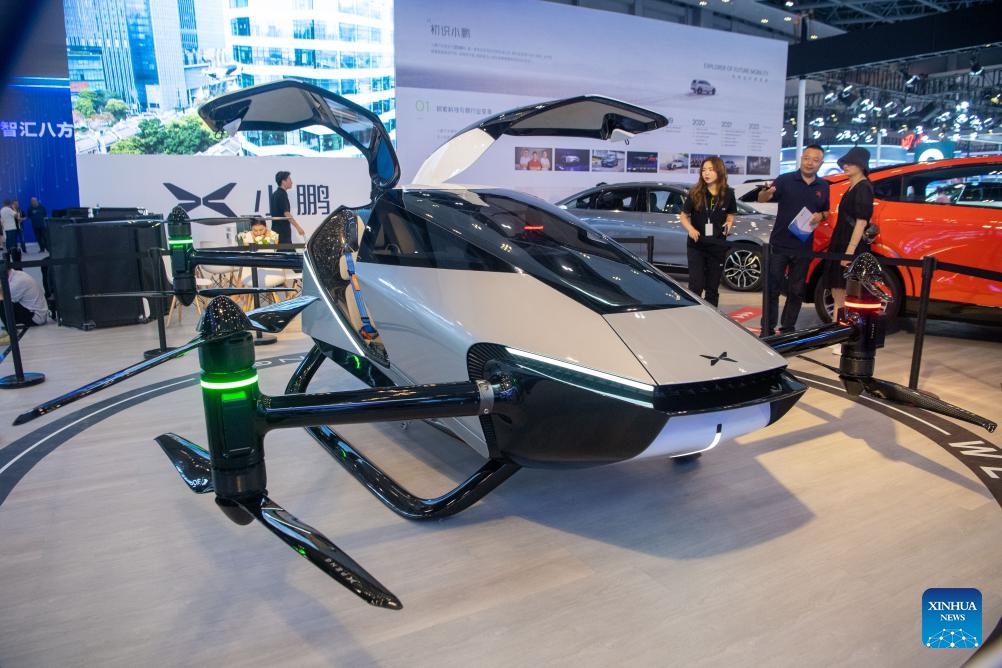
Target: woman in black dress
854, 212
707, 216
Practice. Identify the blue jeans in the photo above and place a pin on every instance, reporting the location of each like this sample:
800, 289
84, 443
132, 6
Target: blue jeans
14, 239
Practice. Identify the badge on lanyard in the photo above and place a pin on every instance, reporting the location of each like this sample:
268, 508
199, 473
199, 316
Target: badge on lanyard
708, 228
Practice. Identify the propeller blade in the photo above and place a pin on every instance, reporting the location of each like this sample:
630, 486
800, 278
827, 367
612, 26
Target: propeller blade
224, 220
322, 553
216, 292
275, 317
901, 394
148, 293
206, 292
107, 381
222, 318
190, 460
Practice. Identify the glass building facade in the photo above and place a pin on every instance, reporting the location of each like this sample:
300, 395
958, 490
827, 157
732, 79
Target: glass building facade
345, 46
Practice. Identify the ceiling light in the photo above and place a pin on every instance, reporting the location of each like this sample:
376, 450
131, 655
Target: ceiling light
788, 3
767, 20
703, 3
787, 18
814, 36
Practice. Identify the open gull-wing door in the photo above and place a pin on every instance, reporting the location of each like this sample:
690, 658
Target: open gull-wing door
293, 105
582, 116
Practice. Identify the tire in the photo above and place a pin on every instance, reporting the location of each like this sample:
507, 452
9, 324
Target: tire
743, 268
824, 304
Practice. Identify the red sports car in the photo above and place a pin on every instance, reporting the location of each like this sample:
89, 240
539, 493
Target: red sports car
950, 209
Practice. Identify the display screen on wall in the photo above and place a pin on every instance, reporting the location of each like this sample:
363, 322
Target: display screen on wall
139, 69
36, 127
459, 61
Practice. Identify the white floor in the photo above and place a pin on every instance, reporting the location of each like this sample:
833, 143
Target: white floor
808, 543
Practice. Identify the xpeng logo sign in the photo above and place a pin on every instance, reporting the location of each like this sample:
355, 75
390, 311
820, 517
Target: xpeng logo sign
189, 201
951, 618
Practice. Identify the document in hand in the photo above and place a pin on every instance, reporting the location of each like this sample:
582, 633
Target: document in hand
800, 226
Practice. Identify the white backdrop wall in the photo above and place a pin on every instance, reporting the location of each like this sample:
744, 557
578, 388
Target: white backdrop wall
220, 184
460, 61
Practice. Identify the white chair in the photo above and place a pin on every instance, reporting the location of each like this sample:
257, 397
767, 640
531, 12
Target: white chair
220, 276
175, 305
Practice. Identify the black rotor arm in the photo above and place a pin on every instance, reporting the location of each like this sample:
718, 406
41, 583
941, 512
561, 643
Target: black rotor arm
866, 299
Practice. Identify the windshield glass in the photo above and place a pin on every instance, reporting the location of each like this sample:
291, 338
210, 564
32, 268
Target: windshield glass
355, 125
537, 238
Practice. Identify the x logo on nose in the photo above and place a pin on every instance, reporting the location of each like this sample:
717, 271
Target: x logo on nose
722, 357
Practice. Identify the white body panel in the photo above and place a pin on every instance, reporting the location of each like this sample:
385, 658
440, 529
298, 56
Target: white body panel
670, 343
453, 157
495, 308
415, 311
689, 434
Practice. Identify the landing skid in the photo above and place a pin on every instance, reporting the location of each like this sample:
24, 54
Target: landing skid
399, 499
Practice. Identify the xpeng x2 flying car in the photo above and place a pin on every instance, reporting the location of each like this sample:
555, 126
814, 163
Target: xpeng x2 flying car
500, 318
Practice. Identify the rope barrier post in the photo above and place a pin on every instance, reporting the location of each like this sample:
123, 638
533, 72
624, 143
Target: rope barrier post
20, 378
928, 268
766, 302
158, 282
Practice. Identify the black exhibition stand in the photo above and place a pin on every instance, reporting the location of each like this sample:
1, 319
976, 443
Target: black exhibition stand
155, 253
20, 377
259, 338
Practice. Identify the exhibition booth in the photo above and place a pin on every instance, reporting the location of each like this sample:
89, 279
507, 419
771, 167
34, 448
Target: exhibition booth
535, 447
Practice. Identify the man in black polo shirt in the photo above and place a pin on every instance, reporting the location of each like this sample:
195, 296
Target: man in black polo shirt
281, 211
794, 192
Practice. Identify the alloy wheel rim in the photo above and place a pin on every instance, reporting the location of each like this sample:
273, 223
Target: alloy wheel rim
742, 269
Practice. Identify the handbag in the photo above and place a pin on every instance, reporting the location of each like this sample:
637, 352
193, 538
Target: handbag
870, 232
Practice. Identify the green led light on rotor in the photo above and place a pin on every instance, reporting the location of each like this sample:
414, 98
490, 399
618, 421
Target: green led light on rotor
229, 385
178, 242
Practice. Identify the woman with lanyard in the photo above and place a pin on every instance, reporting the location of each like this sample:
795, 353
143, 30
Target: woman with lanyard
707, 216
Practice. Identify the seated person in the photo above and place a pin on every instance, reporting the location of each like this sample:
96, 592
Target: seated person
30, 307
258, 234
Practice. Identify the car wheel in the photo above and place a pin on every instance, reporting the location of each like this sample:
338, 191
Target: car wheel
824, 303
743, 268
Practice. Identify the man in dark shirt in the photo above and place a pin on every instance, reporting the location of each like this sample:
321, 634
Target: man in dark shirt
36, 213
281, 211
794, 191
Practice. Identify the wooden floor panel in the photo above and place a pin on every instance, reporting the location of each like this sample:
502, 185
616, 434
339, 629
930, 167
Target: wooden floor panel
807, 543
